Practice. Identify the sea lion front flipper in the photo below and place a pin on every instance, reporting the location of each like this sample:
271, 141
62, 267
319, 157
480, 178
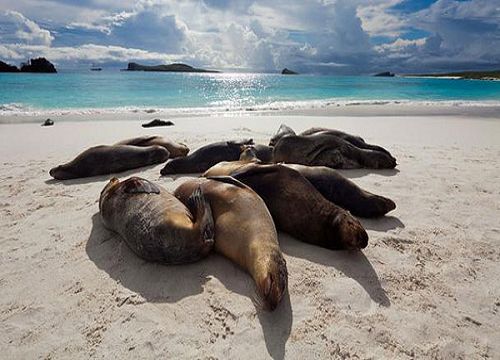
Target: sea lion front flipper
136, 185
228, 180
202, 212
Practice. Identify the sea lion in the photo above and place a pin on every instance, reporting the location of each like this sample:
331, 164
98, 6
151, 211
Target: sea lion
155, 224
205, 157
330, 151
355, 140
157, 122
300, 210
175, 149
104, 159
331, 184
244, 233
343, 192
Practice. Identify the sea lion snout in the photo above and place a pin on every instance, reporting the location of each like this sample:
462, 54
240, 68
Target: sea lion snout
351, 233
274, 283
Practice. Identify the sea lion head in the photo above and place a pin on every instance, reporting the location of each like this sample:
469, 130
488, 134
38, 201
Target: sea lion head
108, 190
380, 160
349, 231
272, 282
248, 153
61, 172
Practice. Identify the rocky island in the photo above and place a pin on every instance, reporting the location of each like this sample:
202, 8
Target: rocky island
39, 65
385, 74
176, 67
286, 71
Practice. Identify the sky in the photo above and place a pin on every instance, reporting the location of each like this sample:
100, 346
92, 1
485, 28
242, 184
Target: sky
314, 36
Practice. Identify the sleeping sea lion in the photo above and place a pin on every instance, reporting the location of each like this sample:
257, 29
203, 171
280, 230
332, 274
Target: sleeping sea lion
300, 210
205, 157
104, 159
244, 233
330, 151
355, 140
175, 149
155, 224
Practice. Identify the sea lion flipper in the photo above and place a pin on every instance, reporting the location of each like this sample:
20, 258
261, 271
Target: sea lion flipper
202, 213
137, 185
228, 180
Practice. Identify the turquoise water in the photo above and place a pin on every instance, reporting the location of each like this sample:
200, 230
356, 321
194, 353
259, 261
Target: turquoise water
114, 90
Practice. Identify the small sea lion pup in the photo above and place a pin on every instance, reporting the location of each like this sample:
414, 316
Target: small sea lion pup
175, 149
330, 183
244, 233
300, 210
155, 224
104, 159
205, 157
330, 151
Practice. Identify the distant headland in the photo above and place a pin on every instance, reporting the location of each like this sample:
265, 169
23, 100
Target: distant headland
39, 65
176, 67
471, 75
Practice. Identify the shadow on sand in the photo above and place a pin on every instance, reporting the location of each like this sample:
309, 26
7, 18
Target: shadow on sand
99, 178
357, 173
161, 283
353, 264
382, 224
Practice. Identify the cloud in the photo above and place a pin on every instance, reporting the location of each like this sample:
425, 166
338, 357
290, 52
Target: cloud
339, 36
15, 28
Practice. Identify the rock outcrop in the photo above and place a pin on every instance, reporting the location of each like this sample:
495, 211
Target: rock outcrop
4, 67
286, 71
40, 65
385, 74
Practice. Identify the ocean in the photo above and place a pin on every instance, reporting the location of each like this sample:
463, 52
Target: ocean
118, 91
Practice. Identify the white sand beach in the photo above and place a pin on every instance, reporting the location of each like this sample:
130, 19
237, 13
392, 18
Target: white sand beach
425, 287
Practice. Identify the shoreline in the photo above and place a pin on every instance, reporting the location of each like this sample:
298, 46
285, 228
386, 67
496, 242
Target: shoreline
487, 109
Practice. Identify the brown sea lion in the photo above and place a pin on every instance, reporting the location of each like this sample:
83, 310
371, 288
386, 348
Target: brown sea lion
355, 140
205, 157
155, 224
175, 149
343, 192
300, 210
330, 151
244, 233
104, 159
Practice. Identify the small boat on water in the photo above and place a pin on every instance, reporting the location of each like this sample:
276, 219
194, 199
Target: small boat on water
96, 69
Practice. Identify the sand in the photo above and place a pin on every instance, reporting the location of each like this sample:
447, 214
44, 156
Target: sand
425, 287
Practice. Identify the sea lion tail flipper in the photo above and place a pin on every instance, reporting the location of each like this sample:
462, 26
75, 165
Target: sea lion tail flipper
202, 213
228, 180
136, 185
